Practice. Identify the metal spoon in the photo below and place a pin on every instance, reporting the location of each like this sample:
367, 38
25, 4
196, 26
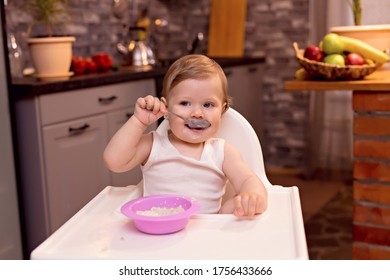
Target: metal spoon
193, 123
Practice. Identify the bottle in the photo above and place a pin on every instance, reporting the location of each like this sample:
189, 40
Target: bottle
144, 22
16, 58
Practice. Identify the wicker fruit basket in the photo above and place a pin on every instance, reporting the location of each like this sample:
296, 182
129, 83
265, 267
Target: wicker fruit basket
323, 71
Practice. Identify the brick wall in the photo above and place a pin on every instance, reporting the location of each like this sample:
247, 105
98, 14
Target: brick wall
371, 218
271, 28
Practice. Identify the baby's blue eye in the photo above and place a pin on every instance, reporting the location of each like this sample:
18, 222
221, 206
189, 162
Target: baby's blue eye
208, 105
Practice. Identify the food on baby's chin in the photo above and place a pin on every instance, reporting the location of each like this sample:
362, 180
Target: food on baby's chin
161, 211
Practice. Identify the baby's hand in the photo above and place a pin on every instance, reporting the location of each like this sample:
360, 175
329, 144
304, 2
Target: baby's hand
149, 109
248, 204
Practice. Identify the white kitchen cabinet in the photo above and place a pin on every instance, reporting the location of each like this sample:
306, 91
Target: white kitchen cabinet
61, 139
74, 169
245, 85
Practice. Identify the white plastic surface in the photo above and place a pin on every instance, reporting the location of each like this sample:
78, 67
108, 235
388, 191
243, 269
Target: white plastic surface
100, 231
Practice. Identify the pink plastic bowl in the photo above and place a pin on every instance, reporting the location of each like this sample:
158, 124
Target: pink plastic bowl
160, 224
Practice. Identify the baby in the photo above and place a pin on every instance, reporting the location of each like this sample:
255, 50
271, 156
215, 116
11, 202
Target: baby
187, 159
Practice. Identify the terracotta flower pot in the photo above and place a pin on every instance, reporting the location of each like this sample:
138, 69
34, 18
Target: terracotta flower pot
51, 57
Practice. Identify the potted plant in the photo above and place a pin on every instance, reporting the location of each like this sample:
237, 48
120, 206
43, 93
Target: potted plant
356, 6
377, 35
51, 52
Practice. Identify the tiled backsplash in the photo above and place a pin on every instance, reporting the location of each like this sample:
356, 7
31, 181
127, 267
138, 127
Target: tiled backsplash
271, 27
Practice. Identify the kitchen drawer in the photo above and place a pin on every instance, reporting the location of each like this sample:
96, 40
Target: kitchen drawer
79, 103
74, 165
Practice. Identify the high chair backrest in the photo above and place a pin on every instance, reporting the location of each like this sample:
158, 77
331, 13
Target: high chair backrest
237, 131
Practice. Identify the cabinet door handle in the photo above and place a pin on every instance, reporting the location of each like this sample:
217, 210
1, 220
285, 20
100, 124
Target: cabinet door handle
128, 115
78, 130
107, 100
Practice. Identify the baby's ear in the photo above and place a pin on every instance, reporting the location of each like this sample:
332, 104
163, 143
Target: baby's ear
225, 106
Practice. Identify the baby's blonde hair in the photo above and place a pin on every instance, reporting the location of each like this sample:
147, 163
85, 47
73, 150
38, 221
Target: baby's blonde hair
194, 66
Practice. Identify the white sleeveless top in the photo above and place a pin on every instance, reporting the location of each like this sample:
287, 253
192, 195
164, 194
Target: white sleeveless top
169, 172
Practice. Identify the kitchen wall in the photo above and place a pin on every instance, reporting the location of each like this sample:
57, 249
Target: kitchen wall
10, 235
271, 27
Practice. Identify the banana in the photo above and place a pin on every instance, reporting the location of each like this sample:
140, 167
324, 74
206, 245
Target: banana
301, 74
369, 61
364, 49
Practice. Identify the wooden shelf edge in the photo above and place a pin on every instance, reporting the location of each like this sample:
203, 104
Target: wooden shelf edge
378, 81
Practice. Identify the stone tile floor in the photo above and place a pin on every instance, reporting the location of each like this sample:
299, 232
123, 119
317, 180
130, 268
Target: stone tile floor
329, 232
327, 213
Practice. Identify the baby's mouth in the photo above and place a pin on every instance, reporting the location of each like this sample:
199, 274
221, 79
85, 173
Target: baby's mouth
196, 128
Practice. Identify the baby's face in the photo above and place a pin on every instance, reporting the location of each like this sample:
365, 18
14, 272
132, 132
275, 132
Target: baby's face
196, 99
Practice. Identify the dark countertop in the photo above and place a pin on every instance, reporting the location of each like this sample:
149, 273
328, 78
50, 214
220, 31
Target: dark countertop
29, 86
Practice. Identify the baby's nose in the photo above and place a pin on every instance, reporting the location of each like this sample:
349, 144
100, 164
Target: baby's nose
197, 112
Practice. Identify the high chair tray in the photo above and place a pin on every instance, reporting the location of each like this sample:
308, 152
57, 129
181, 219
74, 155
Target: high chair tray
100, 231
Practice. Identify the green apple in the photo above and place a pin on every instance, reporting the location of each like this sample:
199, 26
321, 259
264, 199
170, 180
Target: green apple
334, 59
332, 43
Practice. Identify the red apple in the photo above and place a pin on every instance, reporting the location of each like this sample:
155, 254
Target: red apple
314, 53
78, 65
103, 61
354, 59
91, 65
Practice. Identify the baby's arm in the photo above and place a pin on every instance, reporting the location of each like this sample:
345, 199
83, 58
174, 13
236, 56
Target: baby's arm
129, 146
251, 195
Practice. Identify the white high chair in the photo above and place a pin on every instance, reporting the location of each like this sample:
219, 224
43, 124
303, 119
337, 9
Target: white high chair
100, 231
236, 130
